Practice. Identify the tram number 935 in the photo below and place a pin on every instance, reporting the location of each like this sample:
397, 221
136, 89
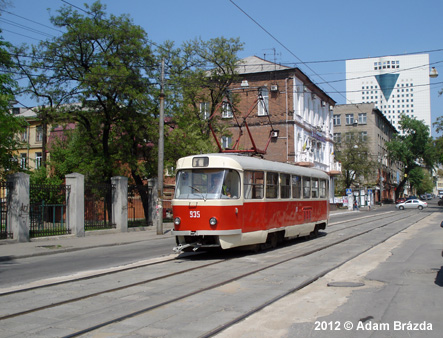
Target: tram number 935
194, 214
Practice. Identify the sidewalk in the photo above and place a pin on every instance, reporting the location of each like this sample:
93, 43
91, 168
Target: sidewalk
11, 249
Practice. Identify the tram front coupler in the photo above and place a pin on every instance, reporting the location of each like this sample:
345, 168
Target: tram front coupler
181, 247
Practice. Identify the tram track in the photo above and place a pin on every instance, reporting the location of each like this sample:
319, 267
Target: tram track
70, 279
211, 286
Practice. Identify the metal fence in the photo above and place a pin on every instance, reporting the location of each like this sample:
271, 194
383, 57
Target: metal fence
98, 206
4, 204
139, 205
47, 210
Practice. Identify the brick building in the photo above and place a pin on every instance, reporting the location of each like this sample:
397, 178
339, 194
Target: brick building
287, 115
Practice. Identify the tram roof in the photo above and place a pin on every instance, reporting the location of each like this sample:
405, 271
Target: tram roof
244, 162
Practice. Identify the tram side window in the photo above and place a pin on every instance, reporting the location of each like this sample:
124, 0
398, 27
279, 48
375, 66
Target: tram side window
306, 187
254, 184
314, 188
323, 189
285, 184
271, 185
296, 186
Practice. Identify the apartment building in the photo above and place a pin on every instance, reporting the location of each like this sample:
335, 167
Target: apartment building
287, 115
397, 85
369, 123
30, 153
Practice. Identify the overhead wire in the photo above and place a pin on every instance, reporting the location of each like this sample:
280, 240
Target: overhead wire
335, 91
27, 19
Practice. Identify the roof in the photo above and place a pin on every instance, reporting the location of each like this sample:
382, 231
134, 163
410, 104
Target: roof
243, 162
254, 64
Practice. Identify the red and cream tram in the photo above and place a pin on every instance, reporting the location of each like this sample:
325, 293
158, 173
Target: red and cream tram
231, 200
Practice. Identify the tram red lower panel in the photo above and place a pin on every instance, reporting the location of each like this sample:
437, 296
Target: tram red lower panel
251, 216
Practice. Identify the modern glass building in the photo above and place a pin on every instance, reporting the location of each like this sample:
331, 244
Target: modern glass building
397, 85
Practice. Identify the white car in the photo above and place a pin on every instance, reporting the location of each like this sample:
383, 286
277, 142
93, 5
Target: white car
412, 204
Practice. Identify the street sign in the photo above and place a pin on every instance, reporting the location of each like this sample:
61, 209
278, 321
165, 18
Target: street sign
348, 191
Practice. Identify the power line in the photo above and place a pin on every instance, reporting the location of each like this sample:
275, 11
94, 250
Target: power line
26, 36
281, 44
12, 23
38, 23
83, 10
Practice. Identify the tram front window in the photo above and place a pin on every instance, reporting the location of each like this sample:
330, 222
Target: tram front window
207, 184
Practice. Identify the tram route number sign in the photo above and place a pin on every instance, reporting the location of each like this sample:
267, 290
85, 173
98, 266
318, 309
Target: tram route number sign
348, 191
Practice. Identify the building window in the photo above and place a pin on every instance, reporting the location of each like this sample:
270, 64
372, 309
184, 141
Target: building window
226, 142
23, 161
337, 120
204, 110
23, 136
39, 134
349, 118
263, 102
362, 118
337, 138
363, 136
38, 160
226, 110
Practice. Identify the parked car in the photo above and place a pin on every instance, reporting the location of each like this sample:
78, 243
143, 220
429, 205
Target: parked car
412, 198
412, 204
400, 200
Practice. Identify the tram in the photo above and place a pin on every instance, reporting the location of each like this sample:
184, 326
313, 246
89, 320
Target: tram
232, 200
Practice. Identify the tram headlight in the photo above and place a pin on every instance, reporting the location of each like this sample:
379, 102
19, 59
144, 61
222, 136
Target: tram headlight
213, 221
177, 221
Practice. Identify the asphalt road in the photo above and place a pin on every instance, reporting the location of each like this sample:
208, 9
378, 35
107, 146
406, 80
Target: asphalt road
25, 270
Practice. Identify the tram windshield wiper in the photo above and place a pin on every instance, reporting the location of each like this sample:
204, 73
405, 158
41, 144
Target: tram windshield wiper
199, 191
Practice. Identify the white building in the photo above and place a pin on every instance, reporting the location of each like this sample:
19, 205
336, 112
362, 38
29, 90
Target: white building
396, 84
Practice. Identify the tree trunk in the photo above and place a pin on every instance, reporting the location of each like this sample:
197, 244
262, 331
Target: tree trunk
143, 191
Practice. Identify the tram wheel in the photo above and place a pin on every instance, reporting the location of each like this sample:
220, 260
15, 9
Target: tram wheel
314, 233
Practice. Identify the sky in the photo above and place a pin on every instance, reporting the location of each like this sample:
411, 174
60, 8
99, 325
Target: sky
315, 36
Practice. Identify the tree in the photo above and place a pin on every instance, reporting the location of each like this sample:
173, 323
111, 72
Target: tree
104, 63
10, 125
438, 143
357, 165
421, 180
199, 72
414, 148
103, 74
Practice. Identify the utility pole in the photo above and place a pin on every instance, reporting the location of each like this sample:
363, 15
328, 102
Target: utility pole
161, 152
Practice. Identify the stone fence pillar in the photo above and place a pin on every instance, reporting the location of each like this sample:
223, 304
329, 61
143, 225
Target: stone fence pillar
120, 203
153, 199
18, 210
75, 202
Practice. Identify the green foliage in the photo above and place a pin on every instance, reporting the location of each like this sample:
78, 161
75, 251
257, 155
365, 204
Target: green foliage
414, 149
199, 71
46, 188
10, 125
357, 165
423, 182
438, 143
107, 64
